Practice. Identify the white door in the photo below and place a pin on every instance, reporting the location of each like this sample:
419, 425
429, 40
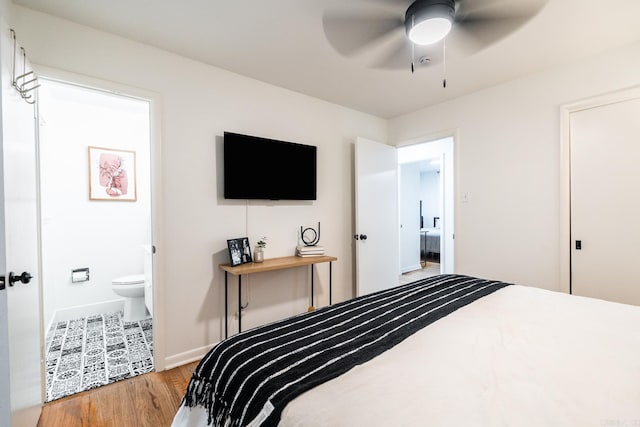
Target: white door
605, 201
377, 252
19, 304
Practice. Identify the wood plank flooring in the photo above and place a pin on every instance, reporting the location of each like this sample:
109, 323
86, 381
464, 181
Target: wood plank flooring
149, 400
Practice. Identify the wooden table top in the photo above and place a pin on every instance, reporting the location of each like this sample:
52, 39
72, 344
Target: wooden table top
271, 264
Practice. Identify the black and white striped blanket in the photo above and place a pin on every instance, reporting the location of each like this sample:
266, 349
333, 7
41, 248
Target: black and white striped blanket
248, 379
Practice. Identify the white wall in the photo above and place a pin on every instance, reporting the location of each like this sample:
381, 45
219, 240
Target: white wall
105, 236
430, 195
199, 103
409, 183
509, 163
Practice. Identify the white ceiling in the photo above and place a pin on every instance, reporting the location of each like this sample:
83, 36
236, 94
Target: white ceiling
282, 42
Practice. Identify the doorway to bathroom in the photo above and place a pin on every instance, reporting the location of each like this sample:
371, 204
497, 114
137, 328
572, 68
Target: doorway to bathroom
96, 236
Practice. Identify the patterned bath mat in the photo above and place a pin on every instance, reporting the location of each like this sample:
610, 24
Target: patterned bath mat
97, 350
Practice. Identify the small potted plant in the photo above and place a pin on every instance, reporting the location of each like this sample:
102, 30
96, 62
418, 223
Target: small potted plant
258, 255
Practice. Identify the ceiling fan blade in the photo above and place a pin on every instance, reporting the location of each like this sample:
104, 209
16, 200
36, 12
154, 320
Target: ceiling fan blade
401, 55
484, 9
394, 3
398, 56
349, 34
481, 23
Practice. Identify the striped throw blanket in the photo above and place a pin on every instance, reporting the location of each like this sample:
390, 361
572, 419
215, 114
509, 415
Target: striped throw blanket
248, 379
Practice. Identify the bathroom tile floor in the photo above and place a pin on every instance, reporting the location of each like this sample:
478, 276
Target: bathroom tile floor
89, 352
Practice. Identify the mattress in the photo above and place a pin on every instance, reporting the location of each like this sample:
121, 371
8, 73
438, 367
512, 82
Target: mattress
430, 240
518, 356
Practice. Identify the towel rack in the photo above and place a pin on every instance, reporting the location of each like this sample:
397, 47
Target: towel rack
27, 81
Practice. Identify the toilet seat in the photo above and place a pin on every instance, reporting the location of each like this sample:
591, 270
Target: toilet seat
134, 279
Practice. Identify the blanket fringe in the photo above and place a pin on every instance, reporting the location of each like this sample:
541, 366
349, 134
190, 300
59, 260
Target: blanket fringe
199, 393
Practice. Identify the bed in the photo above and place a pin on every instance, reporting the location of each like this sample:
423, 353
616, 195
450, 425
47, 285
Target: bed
430, 244
445, 351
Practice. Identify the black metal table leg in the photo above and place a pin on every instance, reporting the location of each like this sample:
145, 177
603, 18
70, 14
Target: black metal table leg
239, 303
330, 282
311, 285
226, 315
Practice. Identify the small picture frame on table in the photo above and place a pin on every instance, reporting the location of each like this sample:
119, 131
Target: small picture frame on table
239, 251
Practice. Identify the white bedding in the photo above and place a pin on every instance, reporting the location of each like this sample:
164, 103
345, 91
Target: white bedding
431, 240
518, 357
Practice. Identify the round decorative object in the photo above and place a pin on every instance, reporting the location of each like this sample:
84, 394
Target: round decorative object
309, 236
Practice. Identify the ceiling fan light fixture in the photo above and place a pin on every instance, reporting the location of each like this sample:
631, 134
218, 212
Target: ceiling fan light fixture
429, 21
430, 31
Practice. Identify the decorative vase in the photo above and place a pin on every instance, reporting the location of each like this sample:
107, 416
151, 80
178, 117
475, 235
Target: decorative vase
258, 255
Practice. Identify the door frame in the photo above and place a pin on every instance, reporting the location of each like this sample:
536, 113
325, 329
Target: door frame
431, 137
566, 110
154, 99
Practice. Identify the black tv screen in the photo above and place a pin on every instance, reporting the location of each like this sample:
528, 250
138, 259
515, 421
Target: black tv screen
268, 169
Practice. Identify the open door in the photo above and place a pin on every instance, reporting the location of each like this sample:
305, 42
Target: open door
20, 334
377, 251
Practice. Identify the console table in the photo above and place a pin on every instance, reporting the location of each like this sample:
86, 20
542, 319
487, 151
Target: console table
268, 265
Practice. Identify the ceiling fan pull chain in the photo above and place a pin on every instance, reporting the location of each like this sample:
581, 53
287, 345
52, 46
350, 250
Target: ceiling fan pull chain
444, 63
413, 49
412, 57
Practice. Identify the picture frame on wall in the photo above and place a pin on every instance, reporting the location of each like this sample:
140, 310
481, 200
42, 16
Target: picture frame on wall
112, 174
239, 251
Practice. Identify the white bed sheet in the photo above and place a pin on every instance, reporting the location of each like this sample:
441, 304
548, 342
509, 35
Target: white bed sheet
518, 357
431, 240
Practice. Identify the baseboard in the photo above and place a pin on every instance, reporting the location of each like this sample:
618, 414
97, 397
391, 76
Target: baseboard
412, 268
186, 357
70, 313
26, 416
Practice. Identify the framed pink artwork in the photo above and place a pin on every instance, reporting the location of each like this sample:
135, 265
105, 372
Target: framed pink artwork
112, 174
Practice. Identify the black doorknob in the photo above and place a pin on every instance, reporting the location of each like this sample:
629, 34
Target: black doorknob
363, 237
24, 278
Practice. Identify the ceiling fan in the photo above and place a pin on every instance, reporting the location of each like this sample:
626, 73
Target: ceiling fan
420, 35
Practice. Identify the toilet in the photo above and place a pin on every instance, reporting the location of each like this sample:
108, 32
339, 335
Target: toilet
132, 289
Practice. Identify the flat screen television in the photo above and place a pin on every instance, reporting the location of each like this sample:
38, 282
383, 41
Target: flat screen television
268, 169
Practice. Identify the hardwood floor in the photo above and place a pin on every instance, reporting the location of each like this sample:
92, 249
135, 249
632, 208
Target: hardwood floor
149, 400
430, 269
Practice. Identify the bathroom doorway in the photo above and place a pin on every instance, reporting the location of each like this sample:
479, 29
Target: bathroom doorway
96, 236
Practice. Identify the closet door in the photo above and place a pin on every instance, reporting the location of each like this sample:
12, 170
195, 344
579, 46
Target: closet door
605, 201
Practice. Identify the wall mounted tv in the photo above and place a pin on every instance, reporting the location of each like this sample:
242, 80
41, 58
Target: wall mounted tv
268, 169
